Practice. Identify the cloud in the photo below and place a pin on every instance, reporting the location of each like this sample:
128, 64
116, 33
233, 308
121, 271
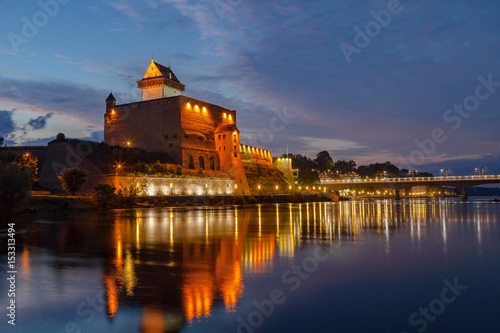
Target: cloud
7, 125
39, 122
54, 98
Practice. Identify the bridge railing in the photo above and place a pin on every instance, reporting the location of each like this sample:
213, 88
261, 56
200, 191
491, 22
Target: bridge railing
408, 179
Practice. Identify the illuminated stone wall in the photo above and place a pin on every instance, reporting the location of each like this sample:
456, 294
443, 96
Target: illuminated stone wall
176, 186
255, 154
285, 165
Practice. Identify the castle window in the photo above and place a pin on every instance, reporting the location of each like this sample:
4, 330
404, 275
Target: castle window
185, 135
171, 145
201, 162
165, 136
211, 161
235, 154
223, 136
234, 138
224, 147
220, 148
190, 162
219, 136
234, 147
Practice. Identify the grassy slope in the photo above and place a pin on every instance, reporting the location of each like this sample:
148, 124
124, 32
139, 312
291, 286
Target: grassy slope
265, 175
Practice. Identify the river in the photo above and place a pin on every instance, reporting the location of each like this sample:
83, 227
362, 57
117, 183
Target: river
380, 266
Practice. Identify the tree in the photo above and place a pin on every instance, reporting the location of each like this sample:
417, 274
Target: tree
105, 195
28, 162
15, 186
323, 161
1, 141
386, 169
60, 137
73, 179
308, 178
345, 167
301, 162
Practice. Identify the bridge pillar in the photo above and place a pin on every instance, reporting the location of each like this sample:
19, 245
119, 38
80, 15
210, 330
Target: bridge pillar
397, 197
464, 194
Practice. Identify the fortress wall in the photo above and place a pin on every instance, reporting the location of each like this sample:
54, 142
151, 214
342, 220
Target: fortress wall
255, 154
62, 155
176, 186
152, 125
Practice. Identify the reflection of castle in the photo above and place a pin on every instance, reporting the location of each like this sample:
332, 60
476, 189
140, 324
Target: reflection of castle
204, 257
200, 136
173, 266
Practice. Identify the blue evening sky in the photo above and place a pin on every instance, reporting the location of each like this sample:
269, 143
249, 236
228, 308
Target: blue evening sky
297, 72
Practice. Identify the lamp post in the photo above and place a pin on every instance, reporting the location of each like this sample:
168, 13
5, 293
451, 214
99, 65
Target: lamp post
446, 171
118, 167
481, 171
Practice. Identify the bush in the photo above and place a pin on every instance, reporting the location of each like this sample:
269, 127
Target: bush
127, 196
297, 196
73, 179
105, 195
143, 168
238, 200
252, 200
159, 168
15, 186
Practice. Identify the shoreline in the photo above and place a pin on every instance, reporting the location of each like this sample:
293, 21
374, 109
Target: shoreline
59, 204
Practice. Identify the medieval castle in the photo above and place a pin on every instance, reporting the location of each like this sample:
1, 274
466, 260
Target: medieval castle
201, 137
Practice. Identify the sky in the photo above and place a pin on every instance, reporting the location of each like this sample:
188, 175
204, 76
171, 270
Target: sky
413, 82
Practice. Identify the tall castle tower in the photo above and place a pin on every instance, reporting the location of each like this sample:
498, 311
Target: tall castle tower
159, 82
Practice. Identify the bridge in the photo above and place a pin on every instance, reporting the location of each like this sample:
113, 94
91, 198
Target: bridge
460, 182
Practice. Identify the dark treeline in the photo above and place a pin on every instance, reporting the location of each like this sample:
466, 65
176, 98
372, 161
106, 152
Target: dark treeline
309, 171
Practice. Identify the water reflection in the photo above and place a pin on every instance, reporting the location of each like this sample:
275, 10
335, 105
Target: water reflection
178, 265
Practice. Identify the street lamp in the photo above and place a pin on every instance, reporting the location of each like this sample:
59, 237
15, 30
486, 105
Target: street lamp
481, 171
118, 167
445, 171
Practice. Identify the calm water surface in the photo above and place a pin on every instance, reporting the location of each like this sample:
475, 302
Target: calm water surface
381, 266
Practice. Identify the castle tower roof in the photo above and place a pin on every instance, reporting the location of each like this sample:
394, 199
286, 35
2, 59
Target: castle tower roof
159, 76
226, 128
111, 98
